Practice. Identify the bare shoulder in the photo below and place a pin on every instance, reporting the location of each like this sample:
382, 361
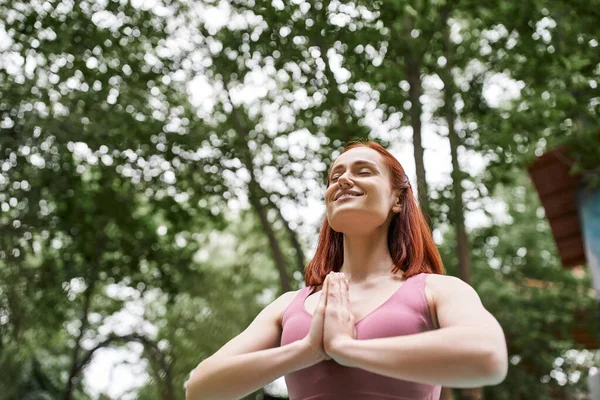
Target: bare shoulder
457, 303
440, 289
441, 285
446, 281
274, 310
280, 304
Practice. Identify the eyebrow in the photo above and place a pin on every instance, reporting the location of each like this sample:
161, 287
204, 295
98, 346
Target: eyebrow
357, 162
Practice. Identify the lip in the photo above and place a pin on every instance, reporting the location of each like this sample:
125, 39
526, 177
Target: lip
347, 198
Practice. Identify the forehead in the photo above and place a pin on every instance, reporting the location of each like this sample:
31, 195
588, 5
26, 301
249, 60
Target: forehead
358, 153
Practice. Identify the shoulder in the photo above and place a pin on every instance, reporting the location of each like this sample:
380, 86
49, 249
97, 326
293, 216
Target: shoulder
443, 290
441, 285
287, 297
457, 302
280, 304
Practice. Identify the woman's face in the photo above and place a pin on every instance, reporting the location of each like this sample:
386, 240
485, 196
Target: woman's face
368, 202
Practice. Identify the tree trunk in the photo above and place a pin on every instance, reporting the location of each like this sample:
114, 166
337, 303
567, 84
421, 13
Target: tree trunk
458, 217
413, 76
276, 252
462, 241
462, 248
74, 372
300, 261
254, 195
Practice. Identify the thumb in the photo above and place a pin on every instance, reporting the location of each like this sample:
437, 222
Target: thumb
320, 310
324, 292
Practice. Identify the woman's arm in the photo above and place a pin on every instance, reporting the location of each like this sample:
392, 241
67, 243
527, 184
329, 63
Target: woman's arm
250, 360
469, 349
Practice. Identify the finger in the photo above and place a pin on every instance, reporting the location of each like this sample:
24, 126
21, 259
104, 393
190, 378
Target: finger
344, 281
330, 300
326, 287
332, 288
323, 298
342, 293
348, 308
345, 288
334, 291
333, 296
326, 283
348, 303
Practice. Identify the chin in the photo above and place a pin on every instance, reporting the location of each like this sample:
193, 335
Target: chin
353, 222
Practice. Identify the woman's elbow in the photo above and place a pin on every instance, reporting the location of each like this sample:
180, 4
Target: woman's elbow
188, 394
496, 366
192, 386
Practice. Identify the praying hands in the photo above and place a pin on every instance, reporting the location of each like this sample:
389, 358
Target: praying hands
333, 321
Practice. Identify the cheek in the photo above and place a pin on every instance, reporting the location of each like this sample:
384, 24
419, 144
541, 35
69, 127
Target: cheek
379, 200
328, 193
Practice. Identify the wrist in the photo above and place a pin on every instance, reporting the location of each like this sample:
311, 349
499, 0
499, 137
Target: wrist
309, 354
338, 350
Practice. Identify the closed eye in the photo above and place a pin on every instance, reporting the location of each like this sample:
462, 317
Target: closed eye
335, 178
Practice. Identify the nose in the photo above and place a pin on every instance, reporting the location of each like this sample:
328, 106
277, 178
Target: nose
343, 181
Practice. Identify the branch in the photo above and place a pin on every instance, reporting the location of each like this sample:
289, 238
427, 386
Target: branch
148, 345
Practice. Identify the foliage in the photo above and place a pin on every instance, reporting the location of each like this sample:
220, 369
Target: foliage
151, 155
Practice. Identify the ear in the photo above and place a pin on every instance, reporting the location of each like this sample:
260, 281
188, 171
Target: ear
397, 207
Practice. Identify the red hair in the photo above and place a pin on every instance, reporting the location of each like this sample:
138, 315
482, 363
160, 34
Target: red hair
410, 241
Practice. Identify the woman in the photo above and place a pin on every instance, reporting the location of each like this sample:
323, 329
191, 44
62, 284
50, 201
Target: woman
377, 319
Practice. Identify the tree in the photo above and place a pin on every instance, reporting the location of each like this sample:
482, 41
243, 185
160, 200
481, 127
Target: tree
87, 183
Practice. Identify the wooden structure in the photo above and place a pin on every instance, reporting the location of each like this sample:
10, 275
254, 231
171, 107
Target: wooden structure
559, 193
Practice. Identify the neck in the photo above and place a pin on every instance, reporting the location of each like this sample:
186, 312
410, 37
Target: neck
366, 256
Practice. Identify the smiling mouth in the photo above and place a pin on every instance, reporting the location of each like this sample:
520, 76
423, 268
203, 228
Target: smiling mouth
348, 196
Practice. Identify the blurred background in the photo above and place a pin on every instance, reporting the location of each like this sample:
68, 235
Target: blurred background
163, 166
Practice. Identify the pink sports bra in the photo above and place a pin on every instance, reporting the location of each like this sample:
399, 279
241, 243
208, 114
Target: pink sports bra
406, 312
